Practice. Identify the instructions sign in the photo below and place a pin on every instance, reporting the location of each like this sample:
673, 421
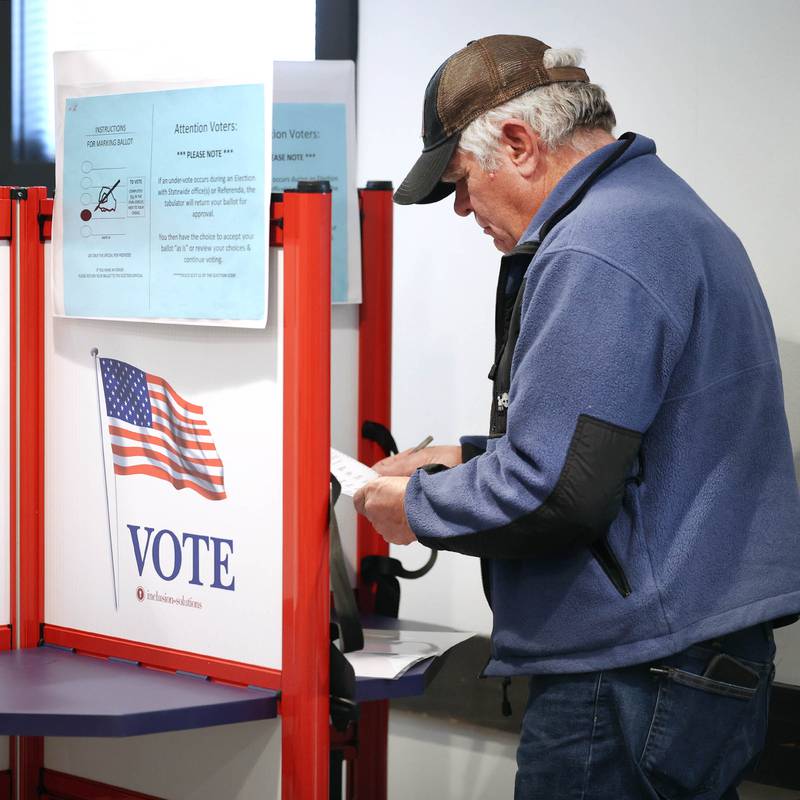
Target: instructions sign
313, 138
164, 204
309, 142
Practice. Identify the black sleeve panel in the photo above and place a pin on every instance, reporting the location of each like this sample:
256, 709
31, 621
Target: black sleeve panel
432, 469
469, 450
584, 502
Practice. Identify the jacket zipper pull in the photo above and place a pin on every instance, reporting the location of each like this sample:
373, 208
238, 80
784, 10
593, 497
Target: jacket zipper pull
506, 704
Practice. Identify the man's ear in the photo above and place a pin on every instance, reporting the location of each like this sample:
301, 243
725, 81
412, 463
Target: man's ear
522, 146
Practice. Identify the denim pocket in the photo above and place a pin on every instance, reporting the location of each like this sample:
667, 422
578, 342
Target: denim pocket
695, 740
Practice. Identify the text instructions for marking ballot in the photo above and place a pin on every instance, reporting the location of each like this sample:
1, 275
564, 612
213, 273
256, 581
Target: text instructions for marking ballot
163, 204
309, 143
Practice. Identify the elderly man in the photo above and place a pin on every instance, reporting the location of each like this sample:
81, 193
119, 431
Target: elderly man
635, 504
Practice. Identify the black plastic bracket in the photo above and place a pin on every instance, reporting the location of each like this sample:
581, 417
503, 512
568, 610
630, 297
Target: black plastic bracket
312, 187
42, 219
384, 572
375, 567
381, 435
344, 710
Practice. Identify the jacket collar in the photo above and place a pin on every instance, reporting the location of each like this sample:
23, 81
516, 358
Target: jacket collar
583, 170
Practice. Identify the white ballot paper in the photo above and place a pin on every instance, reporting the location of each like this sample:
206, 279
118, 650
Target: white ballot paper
390, 654
351, 474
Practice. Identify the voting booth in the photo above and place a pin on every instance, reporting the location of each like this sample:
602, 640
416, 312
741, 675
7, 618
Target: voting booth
108, 627
193, 323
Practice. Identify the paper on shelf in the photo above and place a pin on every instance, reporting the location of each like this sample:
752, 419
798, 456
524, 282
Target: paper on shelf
351, 474
390, 653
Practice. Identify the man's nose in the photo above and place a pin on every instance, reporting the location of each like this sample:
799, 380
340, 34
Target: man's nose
461, 205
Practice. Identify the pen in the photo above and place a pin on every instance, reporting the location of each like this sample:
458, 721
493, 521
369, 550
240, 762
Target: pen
423, 444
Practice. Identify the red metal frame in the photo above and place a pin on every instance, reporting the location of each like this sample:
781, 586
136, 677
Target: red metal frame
6, 778
60, 786
369, 777
28, 752
302, 224
6, 784
5, 212
374, 351
163, 658
306, 496
31, 423
8, 218
5, 233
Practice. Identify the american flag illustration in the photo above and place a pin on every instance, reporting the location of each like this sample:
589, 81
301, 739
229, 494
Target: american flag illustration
155, 432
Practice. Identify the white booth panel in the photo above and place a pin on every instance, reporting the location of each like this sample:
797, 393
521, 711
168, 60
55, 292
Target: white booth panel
131, 555
344, 413
235, 762
5, 438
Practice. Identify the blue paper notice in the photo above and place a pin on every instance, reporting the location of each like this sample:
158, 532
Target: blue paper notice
163, 204
309, 143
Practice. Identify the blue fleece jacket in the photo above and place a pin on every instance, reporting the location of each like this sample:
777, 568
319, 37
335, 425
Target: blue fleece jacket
640, 309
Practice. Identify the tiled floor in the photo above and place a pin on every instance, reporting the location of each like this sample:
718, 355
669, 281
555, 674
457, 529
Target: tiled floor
754, 791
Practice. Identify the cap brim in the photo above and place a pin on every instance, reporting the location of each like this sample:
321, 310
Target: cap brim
424, 184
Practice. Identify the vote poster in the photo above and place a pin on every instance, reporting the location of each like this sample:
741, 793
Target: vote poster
170, 531
164, 204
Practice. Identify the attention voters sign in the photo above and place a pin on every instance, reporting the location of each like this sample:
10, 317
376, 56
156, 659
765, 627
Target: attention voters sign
313, 138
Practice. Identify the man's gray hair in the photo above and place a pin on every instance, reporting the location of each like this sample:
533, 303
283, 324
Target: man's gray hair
558, 112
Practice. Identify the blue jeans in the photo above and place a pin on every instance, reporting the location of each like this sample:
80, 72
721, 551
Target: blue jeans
655, 731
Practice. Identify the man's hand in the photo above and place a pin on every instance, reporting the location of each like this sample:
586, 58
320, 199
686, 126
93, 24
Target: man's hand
408, 462
381, 502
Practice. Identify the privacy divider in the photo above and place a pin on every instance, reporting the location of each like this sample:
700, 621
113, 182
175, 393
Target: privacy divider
146, 565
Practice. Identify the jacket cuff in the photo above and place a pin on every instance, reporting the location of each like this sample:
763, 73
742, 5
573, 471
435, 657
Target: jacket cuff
415, 508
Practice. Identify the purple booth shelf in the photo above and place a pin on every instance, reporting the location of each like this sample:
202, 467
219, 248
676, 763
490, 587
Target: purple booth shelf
48, 691
410, 684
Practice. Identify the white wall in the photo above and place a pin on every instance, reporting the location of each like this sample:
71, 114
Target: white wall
712, 82
448, 761
470, 763
344, 413
230, 761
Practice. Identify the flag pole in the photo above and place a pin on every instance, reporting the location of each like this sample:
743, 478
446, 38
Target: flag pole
98, 382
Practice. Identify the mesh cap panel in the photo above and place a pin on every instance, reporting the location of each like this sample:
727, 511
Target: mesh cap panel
487, 73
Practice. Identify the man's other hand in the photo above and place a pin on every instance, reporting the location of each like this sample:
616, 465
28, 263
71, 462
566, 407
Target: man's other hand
381, 502
408, 462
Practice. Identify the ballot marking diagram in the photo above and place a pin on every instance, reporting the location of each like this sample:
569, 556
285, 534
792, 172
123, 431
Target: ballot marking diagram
164, 204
